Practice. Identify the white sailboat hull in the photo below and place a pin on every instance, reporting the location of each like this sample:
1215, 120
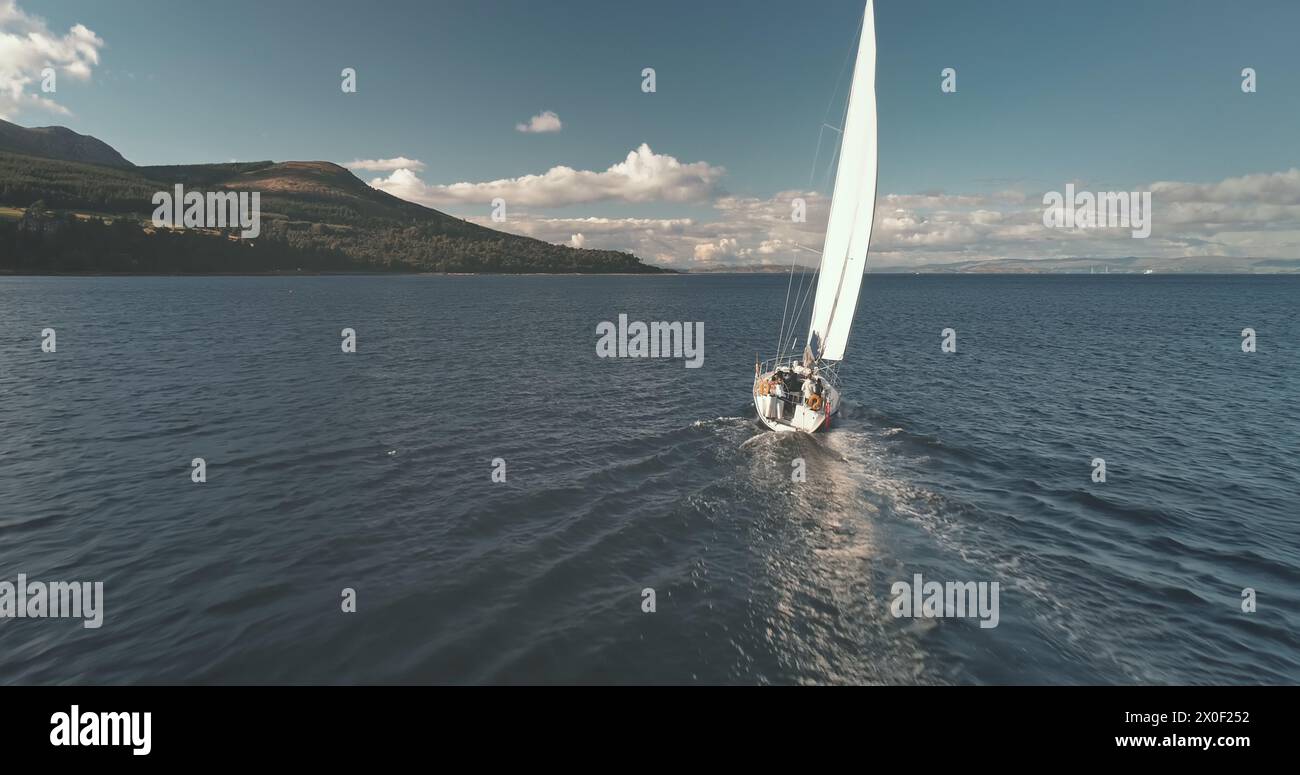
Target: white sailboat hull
792, 413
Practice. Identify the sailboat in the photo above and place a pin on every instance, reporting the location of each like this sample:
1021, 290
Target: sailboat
796, 392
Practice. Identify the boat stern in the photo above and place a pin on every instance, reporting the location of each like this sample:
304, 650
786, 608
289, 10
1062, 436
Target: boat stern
791, 413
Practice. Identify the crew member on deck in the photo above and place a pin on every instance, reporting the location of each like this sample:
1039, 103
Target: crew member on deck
778, 390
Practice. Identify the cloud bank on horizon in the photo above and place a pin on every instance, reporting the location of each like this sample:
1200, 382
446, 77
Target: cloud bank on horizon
642, 177
1255, 215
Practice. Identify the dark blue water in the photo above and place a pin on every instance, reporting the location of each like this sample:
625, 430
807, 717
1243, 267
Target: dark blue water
373, 471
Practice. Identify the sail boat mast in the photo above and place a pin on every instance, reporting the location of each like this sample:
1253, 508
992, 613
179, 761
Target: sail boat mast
853, 201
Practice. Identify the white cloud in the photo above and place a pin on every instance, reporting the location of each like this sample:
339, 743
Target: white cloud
546, 121
644, 176
919, 229
386, 165
715, 252
1253, 215
1282, 188
27, 46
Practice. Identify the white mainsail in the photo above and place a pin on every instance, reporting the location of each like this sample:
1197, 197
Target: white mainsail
853, 207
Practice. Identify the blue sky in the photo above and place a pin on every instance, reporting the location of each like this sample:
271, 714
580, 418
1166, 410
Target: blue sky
1105, 94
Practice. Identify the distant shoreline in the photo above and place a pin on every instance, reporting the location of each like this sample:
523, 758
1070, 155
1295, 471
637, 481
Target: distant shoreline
1022, 273
4, 275
666, 273
316, 273
662, 272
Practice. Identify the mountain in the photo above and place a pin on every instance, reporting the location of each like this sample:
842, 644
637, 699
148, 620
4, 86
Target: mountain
315, 216
58, 142
717, 267
297, 183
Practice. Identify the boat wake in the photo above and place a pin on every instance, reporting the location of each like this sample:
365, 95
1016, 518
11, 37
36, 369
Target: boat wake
717, 421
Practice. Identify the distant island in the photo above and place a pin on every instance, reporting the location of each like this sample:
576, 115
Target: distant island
1117, 266
70, 203
1140, 265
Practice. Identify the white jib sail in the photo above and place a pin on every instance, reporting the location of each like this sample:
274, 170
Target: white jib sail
853, 207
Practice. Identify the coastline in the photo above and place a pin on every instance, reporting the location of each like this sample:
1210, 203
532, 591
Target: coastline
313, 273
